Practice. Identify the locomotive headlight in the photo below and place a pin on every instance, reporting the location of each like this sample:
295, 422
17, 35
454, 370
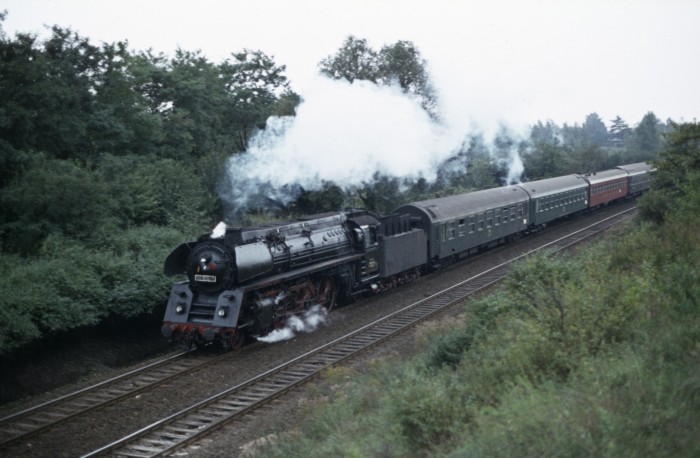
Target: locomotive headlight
179, 308
221, 312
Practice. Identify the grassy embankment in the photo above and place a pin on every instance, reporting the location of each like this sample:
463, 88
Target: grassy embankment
596, 355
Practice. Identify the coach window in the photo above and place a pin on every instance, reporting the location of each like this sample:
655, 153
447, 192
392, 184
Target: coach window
451, 230
498, 217
471, 224
520, 210
489, 218
505, 215
461, 227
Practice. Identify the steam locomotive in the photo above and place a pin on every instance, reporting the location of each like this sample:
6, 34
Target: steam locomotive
246, 282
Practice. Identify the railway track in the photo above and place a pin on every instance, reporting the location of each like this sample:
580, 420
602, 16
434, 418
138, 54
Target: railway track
33, 420
201, 419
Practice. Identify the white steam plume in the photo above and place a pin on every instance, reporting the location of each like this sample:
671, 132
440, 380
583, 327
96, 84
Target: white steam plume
343, 133
308, 322
516, 168
219, 231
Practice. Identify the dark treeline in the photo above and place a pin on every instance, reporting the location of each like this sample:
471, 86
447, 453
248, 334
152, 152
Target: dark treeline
110, 157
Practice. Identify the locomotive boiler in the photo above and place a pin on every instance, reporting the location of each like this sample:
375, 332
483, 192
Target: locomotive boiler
249, 281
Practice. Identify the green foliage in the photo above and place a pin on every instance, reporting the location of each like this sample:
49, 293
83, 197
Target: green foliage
69, 284
354, 60
547, 158
61, 197
614, 406
399, 63
449, 349
675, 182
48, 294
403, 63
619, 130
131, 269
150, 190
646, 141
73, 100
329, 198
594, 130
424, 409
54, 196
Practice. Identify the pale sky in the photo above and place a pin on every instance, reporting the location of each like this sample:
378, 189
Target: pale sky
492, 61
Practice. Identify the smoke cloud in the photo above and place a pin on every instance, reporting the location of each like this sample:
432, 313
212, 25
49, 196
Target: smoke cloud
345, 133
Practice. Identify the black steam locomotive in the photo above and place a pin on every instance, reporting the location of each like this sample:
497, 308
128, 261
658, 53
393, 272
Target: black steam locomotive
247, 282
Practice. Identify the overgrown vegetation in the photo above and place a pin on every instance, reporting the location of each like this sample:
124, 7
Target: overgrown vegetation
593, 355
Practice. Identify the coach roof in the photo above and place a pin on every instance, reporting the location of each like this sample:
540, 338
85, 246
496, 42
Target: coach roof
605, 175
636, 169
453, 207
541, 188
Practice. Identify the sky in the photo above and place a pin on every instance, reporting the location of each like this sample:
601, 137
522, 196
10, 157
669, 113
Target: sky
492, 61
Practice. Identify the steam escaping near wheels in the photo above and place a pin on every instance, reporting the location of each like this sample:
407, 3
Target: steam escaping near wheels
307, 323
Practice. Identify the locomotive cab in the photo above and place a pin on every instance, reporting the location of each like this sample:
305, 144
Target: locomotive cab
365, 234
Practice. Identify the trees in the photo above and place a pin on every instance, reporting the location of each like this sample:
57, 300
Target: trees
646, 141
400, 63
70, 99
619, 131
354, 60
54, 196
257, 88
108, 159
594, 131
547, 157
677, 178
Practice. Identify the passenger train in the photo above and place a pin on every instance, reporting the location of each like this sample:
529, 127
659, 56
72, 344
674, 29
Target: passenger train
247, 282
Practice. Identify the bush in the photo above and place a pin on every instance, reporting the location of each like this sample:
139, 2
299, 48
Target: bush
70, 284
426, 410
53, 197
46, 295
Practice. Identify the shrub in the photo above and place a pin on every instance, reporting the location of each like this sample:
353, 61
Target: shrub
70, 284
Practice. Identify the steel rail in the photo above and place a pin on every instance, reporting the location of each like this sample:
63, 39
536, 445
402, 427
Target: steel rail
35, 419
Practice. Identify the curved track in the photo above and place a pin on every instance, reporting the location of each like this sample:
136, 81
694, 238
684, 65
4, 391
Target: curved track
199, 420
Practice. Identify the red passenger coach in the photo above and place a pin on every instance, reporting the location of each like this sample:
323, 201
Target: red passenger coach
607, 186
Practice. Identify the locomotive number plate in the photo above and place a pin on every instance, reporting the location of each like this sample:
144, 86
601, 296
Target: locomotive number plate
205, 278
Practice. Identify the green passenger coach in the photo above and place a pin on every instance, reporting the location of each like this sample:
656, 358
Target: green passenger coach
554, 198
458, 225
